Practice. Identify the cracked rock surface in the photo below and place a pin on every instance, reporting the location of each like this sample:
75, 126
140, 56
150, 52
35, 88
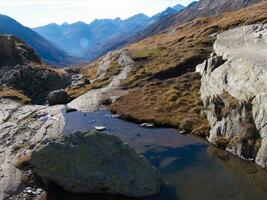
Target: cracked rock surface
234, 92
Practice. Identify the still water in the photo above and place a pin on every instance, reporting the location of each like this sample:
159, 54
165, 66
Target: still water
191, 168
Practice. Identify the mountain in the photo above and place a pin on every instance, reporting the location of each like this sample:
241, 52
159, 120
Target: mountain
178, 7
79, 38
159, 83
76, 38
202, 8
49, 52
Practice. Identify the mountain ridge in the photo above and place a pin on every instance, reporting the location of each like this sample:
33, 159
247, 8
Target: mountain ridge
76, 38
187, 14
47, 50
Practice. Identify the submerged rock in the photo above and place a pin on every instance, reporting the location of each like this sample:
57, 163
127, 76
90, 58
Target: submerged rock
95, 162
100, 128
147, 125
234, 91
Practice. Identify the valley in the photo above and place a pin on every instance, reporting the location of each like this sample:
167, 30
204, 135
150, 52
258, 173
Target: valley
180, 98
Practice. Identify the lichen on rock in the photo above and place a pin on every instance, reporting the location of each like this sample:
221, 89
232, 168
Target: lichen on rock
94, 162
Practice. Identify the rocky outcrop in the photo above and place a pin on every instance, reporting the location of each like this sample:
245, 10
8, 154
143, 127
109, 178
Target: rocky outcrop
58, 97
90, 100
234, 90
94, 162
22, 129
14, 51
32, 142
21, 69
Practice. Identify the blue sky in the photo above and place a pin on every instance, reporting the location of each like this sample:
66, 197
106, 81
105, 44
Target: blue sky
34, 13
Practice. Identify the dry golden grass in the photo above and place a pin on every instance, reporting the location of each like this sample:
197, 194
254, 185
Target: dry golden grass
175, 102
183, 47
75, 92
10, 93
163, 87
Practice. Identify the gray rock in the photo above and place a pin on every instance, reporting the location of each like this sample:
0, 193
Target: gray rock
95, 162
58, 97
234, 92
27, 131
90, 101
22, 129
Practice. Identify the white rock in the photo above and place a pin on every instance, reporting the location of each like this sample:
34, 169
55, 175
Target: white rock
100, 128
239, 68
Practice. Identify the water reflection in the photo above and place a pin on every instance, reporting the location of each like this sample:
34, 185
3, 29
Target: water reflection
253, 173
191, 168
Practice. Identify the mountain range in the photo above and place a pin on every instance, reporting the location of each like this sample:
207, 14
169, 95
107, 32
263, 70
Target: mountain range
78, 38
79, 42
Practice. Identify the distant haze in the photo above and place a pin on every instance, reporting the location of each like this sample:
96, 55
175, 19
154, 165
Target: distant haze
35, 13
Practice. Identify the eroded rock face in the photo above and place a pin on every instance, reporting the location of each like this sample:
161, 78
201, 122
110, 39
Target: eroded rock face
234, 86
95, 162
14, 51
21, 69
22, 129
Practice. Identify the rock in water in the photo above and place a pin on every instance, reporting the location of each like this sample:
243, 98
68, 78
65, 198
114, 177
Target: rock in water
100, 128
95, 162
234, 92
58, 97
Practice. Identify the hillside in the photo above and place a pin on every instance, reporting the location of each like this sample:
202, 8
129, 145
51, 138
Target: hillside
49, 52
201, 8
163, 87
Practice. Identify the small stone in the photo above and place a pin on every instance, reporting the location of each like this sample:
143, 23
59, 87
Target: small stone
148, 125
29, 191
100, 128
115, 116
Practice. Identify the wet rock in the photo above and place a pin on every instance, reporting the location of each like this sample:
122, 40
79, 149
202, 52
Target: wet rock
58, 97
148, 125
95, 162
70, 109
100, 128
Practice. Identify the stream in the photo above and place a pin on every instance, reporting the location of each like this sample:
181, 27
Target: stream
191, 168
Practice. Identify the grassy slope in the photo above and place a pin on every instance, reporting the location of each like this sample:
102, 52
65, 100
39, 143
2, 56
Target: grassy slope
163, 87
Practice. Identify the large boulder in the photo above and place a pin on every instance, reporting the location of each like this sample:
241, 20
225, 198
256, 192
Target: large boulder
234, 92
94, 162
58, 97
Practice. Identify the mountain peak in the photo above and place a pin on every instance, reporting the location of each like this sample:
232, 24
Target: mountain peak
178, 7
